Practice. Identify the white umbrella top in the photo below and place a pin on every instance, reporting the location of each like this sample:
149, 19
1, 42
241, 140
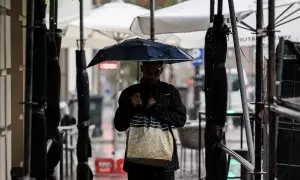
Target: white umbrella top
107, 24
188, 16
112, 19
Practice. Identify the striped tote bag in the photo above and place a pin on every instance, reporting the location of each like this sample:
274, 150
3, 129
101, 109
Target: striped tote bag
149, 142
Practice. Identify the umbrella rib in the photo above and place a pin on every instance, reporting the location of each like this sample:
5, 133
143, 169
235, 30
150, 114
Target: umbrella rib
248, 26
245, 28
103, 33
287, 16
284, 12
118, 38
122, 36
91, 34
293, 19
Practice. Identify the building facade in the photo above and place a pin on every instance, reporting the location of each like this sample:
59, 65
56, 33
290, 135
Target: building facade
12, 67
12, 77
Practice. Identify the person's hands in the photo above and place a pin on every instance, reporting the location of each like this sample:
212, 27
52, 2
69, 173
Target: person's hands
136, 99
151, 101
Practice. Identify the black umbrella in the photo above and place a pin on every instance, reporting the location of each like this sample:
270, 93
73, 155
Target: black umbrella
83, 95
140, 50
39, 78
215, 96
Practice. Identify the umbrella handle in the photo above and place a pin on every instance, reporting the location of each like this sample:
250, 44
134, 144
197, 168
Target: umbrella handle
152, 28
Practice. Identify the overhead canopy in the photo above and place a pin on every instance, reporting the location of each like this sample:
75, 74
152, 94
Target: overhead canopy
188, 16
105, 25
188, 40
67, 13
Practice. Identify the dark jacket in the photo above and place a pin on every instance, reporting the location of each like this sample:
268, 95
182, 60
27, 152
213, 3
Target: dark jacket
168, 108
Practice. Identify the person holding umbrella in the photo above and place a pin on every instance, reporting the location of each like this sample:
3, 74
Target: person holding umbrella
147, 112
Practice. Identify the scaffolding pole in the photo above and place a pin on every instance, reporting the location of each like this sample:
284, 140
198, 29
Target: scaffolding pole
259, 108
28, 88
290, 113
271, 91
246, 117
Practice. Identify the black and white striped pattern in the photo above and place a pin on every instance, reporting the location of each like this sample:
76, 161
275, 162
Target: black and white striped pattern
143, 121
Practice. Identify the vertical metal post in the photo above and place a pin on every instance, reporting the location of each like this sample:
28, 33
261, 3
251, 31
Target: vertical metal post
242, 82
137, 71
67, 153
212, 11
197, 97
220, 6
52, 19
83, 96
152, 25
200, 146
39, 83
61, 162
280, 68
81, 34
56, 13
28, 87
259, 89
271, 73
242, 133
71, 156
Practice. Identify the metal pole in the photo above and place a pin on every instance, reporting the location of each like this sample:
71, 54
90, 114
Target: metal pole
83, 96
56, 13
280, 68
258, 90
197, 91
137, 71
52, 19
237, 157
152, 28
61, 162
220, 7
242, 82
28, 87
242, 128
290, 113
81, 34
212, 11
271, 73
200, 145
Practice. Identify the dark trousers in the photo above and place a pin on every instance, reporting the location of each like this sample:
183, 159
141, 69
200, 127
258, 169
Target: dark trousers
150, 175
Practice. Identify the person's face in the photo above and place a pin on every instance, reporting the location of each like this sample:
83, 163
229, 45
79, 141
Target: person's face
152, 71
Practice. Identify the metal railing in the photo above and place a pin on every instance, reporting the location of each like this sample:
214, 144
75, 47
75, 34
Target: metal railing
231, 153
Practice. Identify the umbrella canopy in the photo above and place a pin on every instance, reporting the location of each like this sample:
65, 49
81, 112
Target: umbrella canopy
105, 25
140, 50
187, 40
188, 16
